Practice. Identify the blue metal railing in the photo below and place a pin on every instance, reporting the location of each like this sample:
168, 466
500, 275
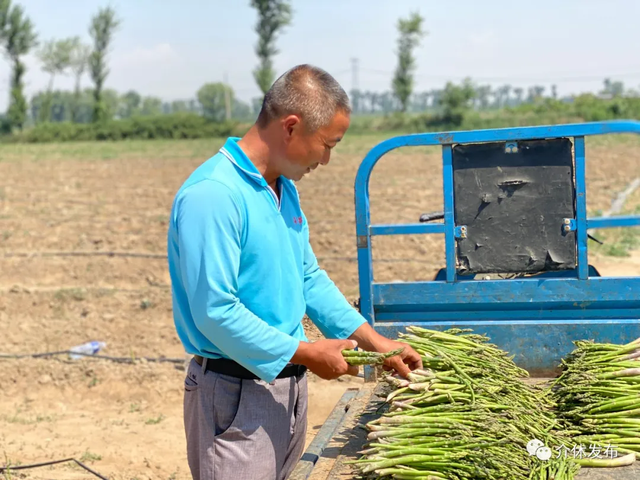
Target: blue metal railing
534, 296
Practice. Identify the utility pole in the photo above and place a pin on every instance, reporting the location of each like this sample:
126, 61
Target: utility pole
355, 93
227, 97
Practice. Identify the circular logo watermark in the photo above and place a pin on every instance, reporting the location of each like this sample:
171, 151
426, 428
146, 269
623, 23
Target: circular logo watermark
537, 448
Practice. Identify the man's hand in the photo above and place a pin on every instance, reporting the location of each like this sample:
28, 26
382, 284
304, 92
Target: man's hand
404, 363
372, 341
324, 358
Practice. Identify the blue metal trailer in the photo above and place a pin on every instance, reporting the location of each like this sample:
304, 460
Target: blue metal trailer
516, 265
516, 244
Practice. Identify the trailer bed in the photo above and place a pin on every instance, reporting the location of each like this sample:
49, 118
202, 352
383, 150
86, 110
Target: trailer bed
340, 439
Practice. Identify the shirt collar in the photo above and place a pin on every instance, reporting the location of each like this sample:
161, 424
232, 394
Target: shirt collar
234, 153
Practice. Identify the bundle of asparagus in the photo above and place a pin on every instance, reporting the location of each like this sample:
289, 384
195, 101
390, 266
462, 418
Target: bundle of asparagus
361, 357
466, 415
598, 397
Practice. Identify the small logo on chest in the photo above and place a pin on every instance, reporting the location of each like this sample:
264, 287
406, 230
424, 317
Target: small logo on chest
297, 220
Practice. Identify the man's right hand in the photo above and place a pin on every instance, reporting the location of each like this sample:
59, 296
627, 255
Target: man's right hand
324, 358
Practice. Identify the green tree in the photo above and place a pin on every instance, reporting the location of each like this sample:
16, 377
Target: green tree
519, 93
242, 111
422, 101
111, 100
130, 104
502, 96
535, 93
83, 106
19, 38
212, 98
195, 106
273, 15
614, 89
456, 101
179, 106
59, 102
375, 101
386, 102
356, 97
79, 62
55, 56
5, 7
411, 32
483, 93
151, 106
256, 105
436, 96
103, 26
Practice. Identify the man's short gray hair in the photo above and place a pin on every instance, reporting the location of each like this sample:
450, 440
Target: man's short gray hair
307, 91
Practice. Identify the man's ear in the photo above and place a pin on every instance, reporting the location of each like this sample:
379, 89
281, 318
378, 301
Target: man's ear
290, 124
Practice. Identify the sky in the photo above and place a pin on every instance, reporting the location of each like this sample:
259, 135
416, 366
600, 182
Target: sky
170, 50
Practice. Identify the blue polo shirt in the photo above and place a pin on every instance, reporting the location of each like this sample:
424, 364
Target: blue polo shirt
243, 273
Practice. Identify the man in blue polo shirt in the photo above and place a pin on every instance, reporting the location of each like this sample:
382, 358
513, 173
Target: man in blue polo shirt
243, 276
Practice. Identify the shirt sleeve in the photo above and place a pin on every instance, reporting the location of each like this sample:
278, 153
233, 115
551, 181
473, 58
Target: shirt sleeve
209, 228
326, 305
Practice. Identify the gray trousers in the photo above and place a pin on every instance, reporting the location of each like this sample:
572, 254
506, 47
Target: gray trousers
243, 429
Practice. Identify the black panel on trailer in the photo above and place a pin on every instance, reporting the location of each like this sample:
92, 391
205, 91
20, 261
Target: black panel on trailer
514, 204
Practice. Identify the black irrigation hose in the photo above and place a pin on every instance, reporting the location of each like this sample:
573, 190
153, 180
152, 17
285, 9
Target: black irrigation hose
103, 357
53, 462
430, 217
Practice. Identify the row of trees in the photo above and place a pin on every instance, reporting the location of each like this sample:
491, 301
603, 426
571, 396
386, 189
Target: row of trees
216, 101
213, 99
72, 56
401, 96
78, 106
483, 98
58, 57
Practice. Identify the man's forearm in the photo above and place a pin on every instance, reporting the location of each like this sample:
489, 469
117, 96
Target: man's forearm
367, 338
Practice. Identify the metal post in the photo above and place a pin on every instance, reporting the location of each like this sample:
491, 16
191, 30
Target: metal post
581, 208
449, 220
365, 262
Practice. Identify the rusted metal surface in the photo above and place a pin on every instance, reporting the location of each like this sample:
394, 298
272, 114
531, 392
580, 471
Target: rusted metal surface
362, 241
514, 205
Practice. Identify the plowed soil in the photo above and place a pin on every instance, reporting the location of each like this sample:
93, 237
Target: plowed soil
82, 257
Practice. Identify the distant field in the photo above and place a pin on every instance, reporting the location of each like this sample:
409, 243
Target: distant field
126, 421
354, 143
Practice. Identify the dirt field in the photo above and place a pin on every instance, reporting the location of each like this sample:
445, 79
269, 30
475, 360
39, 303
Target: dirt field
125, 421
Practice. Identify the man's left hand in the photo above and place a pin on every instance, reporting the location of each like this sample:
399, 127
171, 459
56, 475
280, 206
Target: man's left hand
370, 340
404, 363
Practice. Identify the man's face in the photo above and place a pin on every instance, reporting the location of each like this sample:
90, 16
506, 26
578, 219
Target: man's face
304, 151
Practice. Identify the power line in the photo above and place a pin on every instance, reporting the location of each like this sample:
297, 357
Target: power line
548, 78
